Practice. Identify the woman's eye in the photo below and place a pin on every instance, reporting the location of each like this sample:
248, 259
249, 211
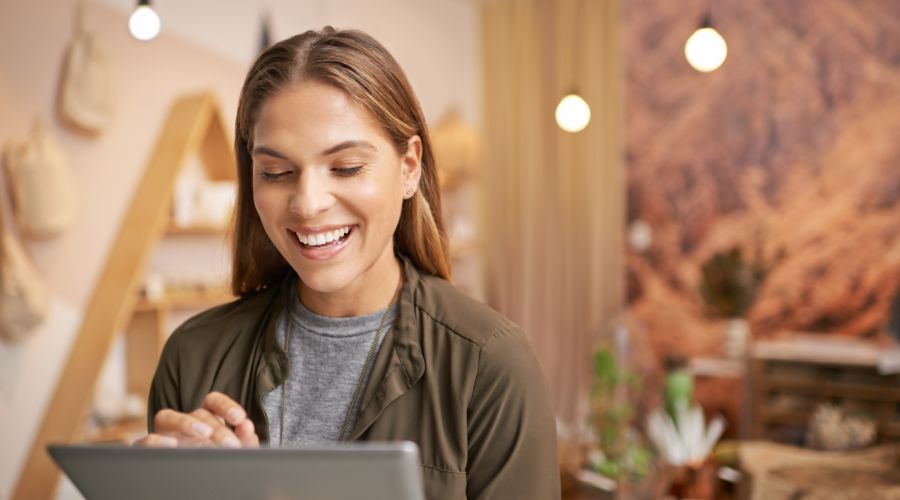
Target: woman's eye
348, 171
274, 176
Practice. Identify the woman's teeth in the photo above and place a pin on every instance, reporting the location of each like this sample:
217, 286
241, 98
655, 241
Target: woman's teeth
315, 240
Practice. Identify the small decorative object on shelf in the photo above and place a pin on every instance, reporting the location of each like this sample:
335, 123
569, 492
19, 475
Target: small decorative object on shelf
679, 386
154, 287
729, 283
684, 439
831, 429
729, 286
685, 444
202, 205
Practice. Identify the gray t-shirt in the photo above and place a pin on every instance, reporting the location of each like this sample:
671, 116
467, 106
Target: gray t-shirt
326, 357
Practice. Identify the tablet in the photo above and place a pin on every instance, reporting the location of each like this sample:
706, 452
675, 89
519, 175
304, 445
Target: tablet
329, 472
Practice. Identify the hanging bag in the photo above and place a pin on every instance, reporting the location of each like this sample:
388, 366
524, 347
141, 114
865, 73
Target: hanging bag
86, 93
24, 299
43, 189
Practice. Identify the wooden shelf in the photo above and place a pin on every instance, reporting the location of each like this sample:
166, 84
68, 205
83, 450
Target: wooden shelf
828, 389
812, 373
194, 124
820, 350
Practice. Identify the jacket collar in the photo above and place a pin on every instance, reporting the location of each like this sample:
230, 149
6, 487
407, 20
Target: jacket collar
407, 339
398, 366
400, 362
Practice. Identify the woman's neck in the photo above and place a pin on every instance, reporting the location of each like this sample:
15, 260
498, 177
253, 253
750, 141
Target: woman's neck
372, 291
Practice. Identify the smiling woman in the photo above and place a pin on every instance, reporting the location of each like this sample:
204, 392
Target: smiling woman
347, 327
330, 169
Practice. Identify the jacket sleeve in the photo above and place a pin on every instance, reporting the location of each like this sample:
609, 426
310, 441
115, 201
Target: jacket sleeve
164, 387
512, 429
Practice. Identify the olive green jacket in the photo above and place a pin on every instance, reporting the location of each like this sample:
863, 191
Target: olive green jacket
453, 376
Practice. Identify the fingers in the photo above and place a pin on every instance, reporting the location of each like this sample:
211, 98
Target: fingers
246, 433
199, 428
157, 441
221, 434
171, 422
222, 406
172, 441
209, 425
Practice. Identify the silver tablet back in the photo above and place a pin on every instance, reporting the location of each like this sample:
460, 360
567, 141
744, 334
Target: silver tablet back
388, 471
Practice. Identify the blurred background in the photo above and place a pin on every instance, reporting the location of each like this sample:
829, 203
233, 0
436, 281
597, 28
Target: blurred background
692, 208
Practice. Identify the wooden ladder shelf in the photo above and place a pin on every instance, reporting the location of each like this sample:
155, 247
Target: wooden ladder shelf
194, 124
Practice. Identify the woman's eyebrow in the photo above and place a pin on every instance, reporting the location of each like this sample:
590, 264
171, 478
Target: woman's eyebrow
347, 145
265, 150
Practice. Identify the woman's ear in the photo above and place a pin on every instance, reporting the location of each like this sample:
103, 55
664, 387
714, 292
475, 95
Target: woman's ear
412, 166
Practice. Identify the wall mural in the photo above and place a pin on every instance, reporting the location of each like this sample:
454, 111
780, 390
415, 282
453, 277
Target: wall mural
790, 151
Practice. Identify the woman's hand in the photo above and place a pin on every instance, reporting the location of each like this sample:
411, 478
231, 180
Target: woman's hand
219, 422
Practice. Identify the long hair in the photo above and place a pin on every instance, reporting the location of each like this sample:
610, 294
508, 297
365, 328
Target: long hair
357, 64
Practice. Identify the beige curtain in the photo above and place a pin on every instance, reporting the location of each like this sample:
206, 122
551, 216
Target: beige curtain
554, 201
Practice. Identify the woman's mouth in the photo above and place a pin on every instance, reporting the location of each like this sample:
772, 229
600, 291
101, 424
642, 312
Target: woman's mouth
323, 245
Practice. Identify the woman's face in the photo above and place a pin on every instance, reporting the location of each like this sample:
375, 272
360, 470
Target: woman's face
328, 186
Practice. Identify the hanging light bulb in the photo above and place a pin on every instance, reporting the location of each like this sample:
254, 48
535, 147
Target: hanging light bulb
573, 113
705, 50
144, 22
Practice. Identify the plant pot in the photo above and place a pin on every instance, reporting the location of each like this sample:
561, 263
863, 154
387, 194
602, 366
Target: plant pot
594, 486
692, 481
737, 338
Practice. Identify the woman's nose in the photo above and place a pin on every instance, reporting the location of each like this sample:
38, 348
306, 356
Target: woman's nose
312, 196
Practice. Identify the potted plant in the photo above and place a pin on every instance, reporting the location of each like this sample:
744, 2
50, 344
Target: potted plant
620, 461
729, 285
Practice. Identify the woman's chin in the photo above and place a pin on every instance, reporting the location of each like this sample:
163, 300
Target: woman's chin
325, 282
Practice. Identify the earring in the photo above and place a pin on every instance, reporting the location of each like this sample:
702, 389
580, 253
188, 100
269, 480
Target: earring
409, 192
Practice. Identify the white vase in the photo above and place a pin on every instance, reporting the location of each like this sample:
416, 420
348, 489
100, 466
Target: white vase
737, 335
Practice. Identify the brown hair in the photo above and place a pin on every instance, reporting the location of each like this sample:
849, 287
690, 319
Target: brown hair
355, 63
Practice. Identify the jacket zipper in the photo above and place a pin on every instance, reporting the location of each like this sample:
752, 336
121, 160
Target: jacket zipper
265, 415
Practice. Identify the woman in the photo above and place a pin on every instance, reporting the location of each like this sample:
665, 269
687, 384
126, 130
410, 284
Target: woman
347, 328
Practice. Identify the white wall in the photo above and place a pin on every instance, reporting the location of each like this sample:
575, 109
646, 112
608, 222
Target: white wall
205, 44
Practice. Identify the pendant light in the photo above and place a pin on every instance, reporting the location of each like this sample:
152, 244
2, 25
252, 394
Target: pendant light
706, 50
144, 23
573, 113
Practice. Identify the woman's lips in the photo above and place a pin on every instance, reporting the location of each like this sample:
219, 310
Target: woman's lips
326, 251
